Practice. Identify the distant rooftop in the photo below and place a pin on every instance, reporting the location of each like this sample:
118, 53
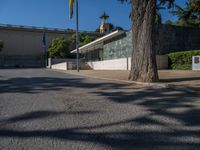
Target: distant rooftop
34, 28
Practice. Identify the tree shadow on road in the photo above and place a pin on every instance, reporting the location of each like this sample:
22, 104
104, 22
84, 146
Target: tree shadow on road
36, 115
172, 119
36, 85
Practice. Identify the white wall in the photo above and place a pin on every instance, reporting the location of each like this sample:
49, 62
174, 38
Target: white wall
60, 66
125, 63
115, 64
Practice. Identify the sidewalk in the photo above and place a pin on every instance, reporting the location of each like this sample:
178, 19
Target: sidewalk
167, 77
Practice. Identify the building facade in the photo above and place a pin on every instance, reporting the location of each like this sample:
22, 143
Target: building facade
23, 44
114, 50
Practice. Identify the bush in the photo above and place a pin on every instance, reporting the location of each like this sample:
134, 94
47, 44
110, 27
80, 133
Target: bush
83, 39
59, 48
181, 67
182, 60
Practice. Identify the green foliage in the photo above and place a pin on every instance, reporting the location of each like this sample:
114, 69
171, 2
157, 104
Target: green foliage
182, 60
168, 3
112, 28
181, 66
1, 45
119, 28
98, 29
190, 15
59, 48
169, 22
161, 4
83, 39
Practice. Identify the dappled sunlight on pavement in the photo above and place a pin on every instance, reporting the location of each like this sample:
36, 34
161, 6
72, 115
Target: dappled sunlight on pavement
42, 108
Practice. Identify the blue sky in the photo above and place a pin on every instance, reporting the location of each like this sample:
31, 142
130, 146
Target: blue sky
55, 13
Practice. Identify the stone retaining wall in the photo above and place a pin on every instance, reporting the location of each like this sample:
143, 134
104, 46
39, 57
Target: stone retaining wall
168, 39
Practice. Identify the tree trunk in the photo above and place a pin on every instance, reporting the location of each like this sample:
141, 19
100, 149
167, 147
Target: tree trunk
143, 63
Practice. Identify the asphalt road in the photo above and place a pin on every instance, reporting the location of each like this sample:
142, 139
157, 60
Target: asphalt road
47, 110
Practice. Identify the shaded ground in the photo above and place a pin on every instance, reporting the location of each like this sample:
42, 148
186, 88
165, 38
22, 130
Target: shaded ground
42, 109
173, 77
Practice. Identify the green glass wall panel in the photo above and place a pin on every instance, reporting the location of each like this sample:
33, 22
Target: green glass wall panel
119, 47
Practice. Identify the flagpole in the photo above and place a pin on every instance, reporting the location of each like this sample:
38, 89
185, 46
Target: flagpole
77, 37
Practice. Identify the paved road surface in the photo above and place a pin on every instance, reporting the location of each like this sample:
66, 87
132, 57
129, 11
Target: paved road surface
46, 110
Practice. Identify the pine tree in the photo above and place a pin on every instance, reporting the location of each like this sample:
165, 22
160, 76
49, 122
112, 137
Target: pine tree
190, 15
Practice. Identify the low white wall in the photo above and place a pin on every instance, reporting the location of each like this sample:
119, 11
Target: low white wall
125, 63
162, 61
60, 66
57, 61
115, 64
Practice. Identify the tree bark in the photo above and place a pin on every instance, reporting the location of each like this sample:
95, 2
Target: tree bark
143, 63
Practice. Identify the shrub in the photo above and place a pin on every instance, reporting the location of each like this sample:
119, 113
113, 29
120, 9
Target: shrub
182, 60
83, 39
59, 48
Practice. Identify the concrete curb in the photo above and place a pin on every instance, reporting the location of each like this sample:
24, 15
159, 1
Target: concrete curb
162, 85
159, 85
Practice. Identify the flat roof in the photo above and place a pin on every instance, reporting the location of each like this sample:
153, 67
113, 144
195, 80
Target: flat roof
98, 42
41, 29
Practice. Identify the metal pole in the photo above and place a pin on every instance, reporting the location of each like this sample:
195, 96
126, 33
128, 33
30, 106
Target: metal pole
45, 49
77, 38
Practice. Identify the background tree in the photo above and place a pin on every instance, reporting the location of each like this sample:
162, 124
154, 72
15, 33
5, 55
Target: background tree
188, 16
83, 39
59, 48
98, 29
169, 22
112, 28
1, 45
119, 28
143, 63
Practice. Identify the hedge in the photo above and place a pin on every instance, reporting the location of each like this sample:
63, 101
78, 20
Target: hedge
182, 60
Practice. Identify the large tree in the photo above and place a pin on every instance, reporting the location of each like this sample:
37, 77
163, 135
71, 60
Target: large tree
143, 63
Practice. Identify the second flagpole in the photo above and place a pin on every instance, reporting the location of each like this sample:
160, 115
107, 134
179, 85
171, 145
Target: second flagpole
77, 37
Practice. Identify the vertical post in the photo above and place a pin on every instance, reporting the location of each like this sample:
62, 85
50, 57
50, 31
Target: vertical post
67, 65
45, 55
45, 48
127, 63
49, 62
77, 38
